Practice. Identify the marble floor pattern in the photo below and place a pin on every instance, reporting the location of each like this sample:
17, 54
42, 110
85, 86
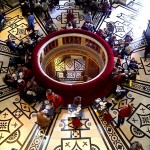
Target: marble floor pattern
17, 127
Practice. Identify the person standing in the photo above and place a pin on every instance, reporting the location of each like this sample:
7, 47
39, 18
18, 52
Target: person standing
2, 20
30, 22
88, 18
2, 5
105, 8
70, 16
12, 45
45, 6
94, 7
25, 8
124, 112
136, 146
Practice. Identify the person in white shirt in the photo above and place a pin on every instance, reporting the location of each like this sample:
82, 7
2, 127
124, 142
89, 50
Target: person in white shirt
37, 4
126, 50
45, 6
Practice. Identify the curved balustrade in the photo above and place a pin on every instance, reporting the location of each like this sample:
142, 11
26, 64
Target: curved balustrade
101, 85
73, 39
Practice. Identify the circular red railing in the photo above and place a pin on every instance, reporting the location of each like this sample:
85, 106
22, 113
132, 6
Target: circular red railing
97, 87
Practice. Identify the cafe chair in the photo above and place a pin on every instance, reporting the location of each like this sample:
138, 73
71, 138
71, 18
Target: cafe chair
108, 118
77, 101
76, 123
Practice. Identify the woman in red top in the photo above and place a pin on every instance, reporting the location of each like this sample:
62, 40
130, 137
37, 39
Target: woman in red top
49, 94
57, 102
27, 74
124, 112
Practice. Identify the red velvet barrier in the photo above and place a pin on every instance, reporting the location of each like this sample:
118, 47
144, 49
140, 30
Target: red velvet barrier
101, 86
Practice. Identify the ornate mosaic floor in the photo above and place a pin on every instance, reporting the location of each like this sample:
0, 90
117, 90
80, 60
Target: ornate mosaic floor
17, 127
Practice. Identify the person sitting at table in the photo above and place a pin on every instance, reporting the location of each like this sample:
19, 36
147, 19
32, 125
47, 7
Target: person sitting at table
57, 102
117, 76
49, 94
77, 101
101, 33
29, 94
10, 81
119, 93
128, 39
21, 84
111, 41
39, 92
27, 74
42, 119
126, 51
27, 59
133, 64
85, 26
12, 45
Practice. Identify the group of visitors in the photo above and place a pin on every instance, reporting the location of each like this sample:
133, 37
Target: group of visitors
41, 8
119, 46
23, 47
37, 6
23, 80
94, 6
55, 102
125, 75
